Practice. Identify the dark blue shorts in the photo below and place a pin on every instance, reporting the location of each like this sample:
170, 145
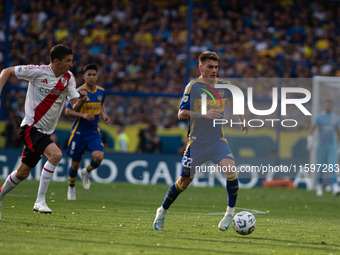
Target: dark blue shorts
80, 142
197, 153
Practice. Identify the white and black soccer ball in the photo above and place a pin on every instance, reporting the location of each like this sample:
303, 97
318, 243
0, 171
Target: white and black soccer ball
244, 223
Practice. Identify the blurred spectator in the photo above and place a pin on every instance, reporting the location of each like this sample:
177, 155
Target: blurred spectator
123, 141
141, 45
11, 132
149, 141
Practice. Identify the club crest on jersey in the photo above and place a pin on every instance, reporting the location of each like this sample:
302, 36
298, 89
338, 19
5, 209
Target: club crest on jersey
221, 93
63, 81
100, 98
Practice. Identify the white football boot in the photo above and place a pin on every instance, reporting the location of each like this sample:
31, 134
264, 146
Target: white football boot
41, 207
225, 222
158, 223
85, 175
71, 193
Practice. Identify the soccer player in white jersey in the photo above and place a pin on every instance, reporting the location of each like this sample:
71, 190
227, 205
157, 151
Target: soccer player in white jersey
48, 87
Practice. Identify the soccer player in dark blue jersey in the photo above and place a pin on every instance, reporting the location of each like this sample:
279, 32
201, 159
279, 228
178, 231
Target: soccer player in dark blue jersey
85, 132
205, 142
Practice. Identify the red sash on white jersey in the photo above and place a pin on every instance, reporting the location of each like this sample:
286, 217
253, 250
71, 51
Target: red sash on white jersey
45, 105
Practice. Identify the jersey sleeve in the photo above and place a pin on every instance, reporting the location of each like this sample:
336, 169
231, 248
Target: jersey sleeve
185, 102
102, 93
224, 93
28, 72
71, 89
68, 105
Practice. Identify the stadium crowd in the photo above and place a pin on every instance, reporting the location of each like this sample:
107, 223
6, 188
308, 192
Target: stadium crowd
140, 46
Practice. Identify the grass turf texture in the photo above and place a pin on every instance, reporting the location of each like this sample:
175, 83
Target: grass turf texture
117, 219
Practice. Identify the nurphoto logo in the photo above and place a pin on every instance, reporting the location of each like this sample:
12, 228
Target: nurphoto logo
239, 102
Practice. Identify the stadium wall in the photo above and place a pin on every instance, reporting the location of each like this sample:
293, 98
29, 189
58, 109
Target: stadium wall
161, 168
258, 143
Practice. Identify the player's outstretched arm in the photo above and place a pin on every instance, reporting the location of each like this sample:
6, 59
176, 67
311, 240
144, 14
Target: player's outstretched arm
4, 75
72, 113
186, 115
77, 103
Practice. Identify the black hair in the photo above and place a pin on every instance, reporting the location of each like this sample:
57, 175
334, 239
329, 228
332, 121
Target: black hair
59, 51
90, 67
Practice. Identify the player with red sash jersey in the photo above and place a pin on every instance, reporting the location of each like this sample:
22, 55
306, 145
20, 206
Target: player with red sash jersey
48, 87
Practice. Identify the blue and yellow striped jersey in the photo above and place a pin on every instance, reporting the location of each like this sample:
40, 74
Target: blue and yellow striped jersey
201, 129
92, 105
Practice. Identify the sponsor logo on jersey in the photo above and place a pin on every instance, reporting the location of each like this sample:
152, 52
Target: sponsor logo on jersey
51, 91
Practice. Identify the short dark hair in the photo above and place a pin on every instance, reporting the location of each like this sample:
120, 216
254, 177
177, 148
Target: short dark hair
208, 55
90, 67
59, 51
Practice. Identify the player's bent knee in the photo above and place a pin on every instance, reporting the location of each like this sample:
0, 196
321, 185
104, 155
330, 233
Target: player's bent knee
75, 166
98, 157
184, 182
58, 155
55, 157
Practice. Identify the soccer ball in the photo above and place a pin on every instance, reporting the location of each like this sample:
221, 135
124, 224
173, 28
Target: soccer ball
244, 223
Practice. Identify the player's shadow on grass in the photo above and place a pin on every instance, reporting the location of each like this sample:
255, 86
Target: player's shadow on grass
289, 241
47, 225
167, 248
293, 244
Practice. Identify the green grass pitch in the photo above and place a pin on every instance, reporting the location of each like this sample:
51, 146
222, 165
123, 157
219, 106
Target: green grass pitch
117, 219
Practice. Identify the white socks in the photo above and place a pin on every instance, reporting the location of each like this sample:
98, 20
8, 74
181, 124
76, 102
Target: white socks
230, 210
45, 179
163, 211
11, 182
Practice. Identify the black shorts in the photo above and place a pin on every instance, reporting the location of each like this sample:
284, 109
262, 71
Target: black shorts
35, 144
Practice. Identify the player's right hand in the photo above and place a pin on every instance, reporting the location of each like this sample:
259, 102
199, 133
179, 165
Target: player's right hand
88, 116
83, 94
310, 142
213, 114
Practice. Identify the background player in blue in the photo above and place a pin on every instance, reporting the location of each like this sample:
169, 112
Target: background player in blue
85, 132
204, 142
328, 124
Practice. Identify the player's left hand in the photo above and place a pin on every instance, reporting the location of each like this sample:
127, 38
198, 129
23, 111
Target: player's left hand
106, 119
